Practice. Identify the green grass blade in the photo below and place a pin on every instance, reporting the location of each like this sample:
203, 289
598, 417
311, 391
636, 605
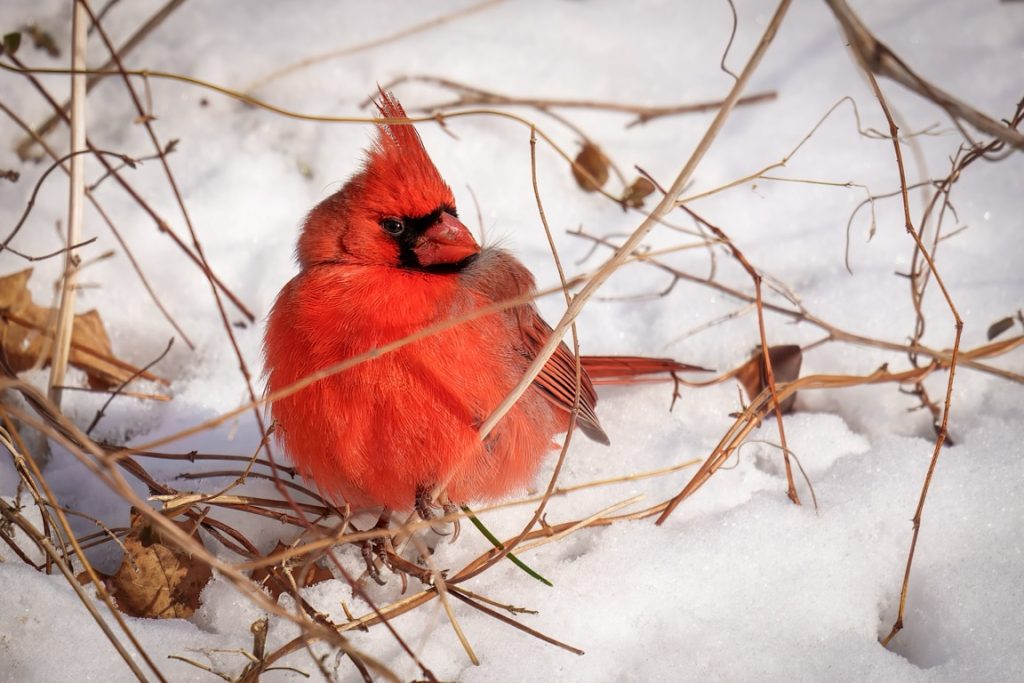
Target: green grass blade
497, 544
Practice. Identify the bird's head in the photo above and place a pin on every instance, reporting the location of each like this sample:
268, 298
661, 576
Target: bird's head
397, 211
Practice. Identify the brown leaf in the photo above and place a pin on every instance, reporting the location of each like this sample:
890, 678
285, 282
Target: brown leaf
786, 360
591, 168
157, 578
998, 327
88, 330
636, 193
274, 579
22, 323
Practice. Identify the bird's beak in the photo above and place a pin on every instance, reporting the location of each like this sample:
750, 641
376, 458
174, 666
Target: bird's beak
446, 241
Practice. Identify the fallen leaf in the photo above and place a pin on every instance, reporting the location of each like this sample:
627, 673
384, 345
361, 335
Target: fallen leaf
998, 327
157, 579
275, 580
590, 168
22, 326
786, 360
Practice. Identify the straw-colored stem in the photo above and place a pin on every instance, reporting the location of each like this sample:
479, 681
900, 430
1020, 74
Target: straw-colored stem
76, 203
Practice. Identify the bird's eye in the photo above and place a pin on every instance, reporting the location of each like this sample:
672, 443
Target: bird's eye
392, 226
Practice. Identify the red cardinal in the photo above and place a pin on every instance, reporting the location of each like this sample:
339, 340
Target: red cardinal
380, 259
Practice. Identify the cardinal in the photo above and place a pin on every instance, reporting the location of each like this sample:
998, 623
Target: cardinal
381, 259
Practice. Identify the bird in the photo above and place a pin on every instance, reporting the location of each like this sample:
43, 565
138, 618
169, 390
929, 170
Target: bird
379, 260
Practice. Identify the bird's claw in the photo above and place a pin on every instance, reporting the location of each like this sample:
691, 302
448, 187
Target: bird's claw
379, 549
376, 550
424, 507
423, 503
452, 510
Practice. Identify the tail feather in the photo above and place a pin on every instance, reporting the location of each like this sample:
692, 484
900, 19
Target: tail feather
632, 369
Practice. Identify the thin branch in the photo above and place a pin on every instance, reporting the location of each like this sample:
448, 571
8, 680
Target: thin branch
512, 622
959, 325
732, 36
473, 96
375, 42
24, 148
117, 392
876, 58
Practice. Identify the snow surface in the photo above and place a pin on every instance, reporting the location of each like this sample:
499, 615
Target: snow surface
739, 584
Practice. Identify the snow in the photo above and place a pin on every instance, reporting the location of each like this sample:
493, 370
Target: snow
739, 584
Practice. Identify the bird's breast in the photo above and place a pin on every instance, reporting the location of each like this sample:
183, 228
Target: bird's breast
408, 409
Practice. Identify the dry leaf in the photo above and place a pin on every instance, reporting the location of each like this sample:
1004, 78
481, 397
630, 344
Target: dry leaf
591, 168
275, 581
998, 327
158, 579
22, 322
786, 360
636, 193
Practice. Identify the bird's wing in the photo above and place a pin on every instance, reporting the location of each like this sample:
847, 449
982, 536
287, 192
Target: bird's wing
557, 379
498, 276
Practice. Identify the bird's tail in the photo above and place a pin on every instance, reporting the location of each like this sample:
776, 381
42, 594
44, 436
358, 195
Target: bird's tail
633, 369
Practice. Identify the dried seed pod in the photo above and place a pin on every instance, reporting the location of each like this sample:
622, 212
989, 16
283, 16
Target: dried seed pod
591, 168
635, 194
998, 327
786, 361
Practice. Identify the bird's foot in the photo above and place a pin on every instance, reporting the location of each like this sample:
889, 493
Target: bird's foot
424, 504
379, 549
425, 508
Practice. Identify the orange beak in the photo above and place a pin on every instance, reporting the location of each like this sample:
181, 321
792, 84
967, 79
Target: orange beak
447, 241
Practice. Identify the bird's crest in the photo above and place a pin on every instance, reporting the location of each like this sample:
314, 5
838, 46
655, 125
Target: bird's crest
399, 161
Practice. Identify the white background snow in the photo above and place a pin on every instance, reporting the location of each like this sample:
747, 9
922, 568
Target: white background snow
739, 584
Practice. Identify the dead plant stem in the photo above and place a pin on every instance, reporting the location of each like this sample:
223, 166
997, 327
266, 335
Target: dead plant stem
61, 350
